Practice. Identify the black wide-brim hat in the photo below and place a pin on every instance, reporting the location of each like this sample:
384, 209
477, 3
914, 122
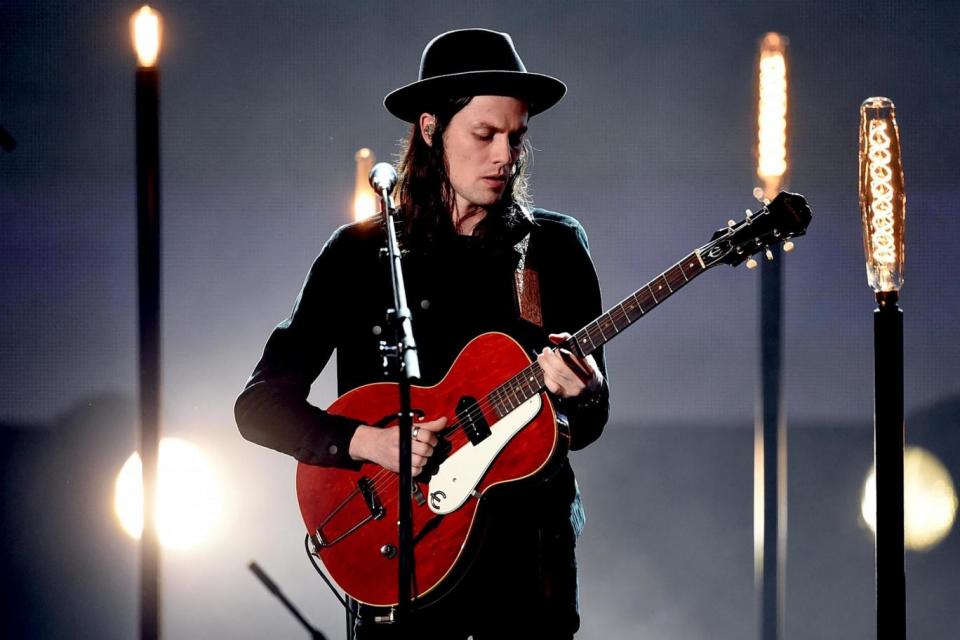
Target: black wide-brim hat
472, 62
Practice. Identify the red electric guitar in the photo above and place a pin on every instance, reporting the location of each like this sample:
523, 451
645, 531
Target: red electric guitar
502, 428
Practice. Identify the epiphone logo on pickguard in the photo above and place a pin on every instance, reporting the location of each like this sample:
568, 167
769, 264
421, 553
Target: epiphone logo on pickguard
436, 498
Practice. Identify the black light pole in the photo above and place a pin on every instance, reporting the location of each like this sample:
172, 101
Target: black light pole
145, 25
882, 212
770, 427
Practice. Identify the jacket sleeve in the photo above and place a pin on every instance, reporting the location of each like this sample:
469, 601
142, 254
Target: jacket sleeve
272, 410
586, 416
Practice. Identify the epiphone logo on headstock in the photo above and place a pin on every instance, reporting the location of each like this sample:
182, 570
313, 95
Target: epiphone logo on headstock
713, 253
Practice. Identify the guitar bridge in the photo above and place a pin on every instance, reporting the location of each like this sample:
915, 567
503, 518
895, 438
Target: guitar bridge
374, 505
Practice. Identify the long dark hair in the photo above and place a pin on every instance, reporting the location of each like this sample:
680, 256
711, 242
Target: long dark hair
426, 196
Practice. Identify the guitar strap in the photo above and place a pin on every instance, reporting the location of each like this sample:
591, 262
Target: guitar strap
526, 284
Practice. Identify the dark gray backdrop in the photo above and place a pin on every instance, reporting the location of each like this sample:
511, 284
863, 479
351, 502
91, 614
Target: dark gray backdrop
263, 106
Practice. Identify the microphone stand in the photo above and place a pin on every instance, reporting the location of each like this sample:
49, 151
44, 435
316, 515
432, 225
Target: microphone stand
315, 634
404, 353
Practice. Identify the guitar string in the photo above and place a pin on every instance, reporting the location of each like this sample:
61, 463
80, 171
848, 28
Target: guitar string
457, 435
385, 478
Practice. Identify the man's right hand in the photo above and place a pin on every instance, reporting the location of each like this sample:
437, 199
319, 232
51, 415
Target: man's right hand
382, 446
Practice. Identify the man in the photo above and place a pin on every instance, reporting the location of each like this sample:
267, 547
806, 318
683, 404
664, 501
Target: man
476, 259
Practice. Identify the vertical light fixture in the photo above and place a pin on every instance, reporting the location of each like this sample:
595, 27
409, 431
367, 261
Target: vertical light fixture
146, 32
364, 199
770, 437
772, 114
882, 212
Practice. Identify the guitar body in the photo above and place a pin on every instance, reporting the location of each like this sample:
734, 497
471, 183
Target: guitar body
353, 514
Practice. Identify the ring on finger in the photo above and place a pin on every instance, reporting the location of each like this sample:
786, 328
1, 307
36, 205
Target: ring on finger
416, 430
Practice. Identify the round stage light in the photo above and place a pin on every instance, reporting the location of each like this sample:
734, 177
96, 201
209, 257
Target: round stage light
929, 500
188, 495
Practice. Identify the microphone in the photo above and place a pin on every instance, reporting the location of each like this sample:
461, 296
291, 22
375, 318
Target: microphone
383, 177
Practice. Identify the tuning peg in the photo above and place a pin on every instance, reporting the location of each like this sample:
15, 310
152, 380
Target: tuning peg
769, 254
748, 213
759, 197
788, 246
752, 263
731, 223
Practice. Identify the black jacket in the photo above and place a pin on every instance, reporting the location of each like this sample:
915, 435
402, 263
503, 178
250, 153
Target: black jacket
456, 289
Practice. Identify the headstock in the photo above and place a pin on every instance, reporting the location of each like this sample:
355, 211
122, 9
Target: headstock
783, 218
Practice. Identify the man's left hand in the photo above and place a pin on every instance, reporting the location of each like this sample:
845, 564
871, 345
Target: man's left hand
566, 374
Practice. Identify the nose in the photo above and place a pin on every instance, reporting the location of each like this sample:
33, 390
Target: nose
503, 151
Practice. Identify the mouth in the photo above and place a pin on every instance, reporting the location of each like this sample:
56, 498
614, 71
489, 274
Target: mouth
495, 181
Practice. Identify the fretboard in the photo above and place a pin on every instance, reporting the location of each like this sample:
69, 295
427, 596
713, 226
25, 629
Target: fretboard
529, 382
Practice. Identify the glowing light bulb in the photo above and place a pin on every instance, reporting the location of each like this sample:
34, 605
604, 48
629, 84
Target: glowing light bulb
364, 199
929, 500
882, 197
772, 113
145, 29
188, 495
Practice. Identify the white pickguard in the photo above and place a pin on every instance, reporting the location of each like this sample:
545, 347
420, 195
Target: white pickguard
459, 474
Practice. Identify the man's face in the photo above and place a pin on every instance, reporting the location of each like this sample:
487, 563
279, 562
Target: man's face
482, 143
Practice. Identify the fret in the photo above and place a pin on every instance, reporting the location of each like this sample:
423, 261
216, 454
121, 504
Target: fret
600, 322
653, 295
661, 282
601, 330
583, 337
692, 266
492, 399
496, 398
648, 302
623, 314
596, 324
610, 324
611, 320
676, 278
597, 334
517, 401
521, 381
515, 384
504, 402
530, 379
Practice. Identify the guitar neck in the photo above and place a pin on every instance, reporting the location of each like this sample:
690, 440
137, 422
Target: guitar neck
635, 306
529, 382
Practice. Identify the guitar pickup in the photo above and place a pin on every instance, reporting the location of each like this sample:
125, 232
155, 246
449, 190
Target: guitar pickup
470, 416
371, 498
